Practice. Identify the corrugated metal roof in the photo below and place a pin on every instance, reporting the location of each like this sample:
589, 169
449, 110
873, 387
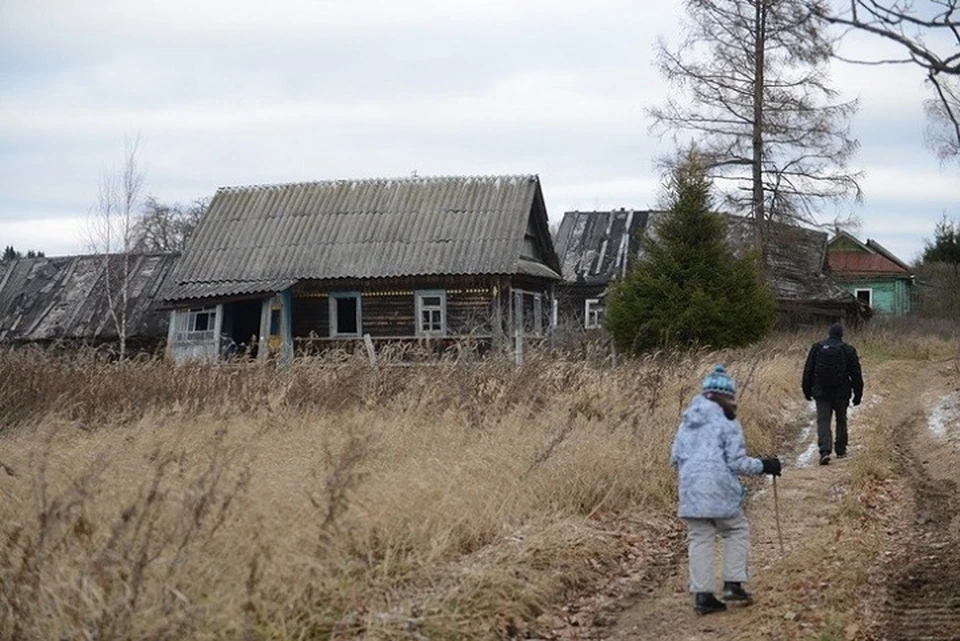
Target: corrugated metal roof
220, 289
66, 297
594, 246
376, 228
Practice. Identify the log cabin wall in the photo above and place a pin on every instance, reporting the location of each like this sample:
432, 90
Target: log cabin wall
388, 309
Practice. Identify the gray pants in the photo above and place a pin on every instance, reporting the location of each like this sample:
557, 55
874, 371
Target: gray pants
701, 539
826, 409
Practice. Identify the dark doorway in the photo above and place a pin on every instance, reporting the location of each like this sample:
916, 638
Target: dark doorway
244, 331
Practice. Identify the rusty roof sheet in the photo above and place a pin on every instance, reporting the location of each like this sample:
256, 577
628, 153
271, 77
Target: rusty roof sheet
44, 299
376, 228
849, 263
594, 247
880, 249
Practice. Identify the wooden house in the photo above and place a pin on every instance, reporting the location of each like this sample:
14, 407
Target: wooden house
284, 267
70, 298
878, 279
596, 248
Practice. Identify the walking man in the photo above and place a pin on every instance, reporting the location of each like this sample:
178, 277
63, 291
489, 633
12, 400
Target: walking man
831, 375
709, 454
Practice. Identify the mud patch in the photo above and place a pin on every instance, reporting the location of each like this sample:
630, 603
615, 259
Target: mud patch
923, 601
944, 417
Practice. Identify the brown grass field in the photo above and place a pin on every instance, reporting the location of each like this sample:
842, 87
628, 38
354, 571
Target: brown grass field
459, 500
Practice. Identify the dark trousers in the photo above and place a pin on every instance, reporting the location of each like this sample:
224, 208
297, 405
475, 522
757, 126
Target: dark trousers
826, 408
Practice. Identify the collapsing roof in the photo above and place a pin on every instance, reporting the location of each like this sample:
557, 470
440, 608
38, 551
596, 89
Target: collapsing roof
796, 258
46, 299
596, 247
262, 239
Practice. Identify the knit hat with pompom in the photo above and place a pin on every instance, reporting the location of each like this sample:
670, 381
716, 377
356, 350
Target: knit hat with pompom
719, 382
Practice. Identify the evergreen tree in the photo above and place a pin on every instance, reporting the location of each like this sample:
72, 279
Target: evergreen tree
945, 247
9, 253
939, 272
688, 288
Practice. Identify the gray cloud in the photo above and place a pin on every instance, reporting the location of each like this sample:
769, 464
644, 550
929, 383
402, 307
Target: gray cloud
245, 92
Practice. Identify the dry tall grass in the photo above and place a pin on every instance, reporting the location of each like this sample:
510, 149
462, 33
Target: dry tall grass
331, 500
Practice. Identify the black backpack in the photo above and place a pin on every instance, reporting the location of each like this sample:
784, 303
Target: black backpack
830, 370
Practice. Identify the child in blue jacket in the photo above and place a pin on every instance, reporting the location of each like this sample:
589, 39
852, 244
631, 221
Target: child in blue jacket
709, 454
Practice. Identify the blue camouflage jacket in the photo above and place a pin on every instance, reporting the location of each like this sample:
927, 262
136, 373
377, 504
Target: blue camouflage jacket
709, 453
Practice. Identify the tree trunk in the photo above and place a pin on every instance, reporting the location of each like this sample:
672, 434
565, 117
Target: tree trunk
759, 45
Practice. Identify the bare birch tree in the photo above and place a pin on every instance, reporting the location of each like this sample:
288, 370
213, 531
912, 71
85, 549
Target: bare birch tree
112, 225
754, 98
928, 32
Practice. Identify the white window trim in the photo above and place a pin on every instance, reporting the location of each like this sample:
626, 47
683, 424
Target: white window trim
419, 295
591, 319
869, 290
185, 323
332, 312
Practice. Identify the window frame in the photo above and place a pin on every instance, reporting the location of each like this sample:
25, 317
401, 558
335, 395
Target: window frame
869, 292
592, 318
332, 311
419, 308
186, 324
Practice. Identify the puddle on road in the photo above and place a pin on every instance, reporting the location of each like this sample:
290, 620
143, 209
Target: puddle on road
808, 435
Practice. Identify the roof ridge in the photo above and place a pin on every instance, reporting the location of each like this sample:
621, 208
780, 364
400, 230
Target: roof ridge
374, 180
636, 210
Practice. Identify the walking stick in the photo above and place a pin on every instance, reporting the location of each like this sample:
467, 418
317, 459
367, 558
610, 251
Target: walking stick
776, 513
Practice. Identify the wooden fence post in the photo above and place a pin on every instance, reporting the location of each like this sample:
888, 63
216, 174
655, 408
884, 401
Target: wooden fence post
371, 353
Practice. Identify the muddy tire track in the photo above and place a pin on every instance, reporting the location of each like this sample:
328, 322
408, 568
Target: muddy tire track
923, 600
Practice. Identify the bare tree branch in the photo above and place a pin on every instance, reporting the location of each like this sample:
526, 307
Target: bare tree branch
929, 33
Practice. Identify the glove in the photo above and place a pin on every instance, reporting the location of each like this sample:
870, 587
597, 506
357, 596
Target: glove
857, 399
771, 466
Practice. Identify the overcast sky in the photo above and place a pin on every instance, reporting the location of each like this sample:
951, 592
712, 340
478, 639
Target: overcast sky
237, 92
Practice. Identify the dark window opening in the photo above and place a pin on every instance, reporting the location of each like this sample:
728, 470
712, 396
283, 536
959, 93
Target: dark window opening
347, 315
203, 322
274, 322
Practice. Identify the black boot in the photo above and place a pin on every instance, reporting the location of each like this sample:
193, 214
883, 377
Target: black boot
705, 603
733, 591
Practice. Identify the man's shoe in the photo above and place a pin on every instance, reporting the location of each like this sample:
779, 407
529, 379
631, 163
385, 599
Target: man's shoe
733, 591
706, 603
824, 459
842, 454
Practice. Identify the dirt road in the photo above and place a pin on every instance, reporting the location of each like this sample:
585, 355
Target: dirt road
871, 550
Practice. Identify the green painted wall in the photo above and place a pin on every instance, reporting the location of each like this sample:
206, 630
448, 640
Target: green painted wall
889, 297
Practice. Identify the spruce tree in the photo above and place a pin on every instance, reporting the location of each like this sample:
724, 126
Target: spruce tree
688, 288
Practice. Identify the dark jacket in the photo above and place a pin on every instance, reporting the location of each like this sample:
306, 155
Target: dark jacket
853, 384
